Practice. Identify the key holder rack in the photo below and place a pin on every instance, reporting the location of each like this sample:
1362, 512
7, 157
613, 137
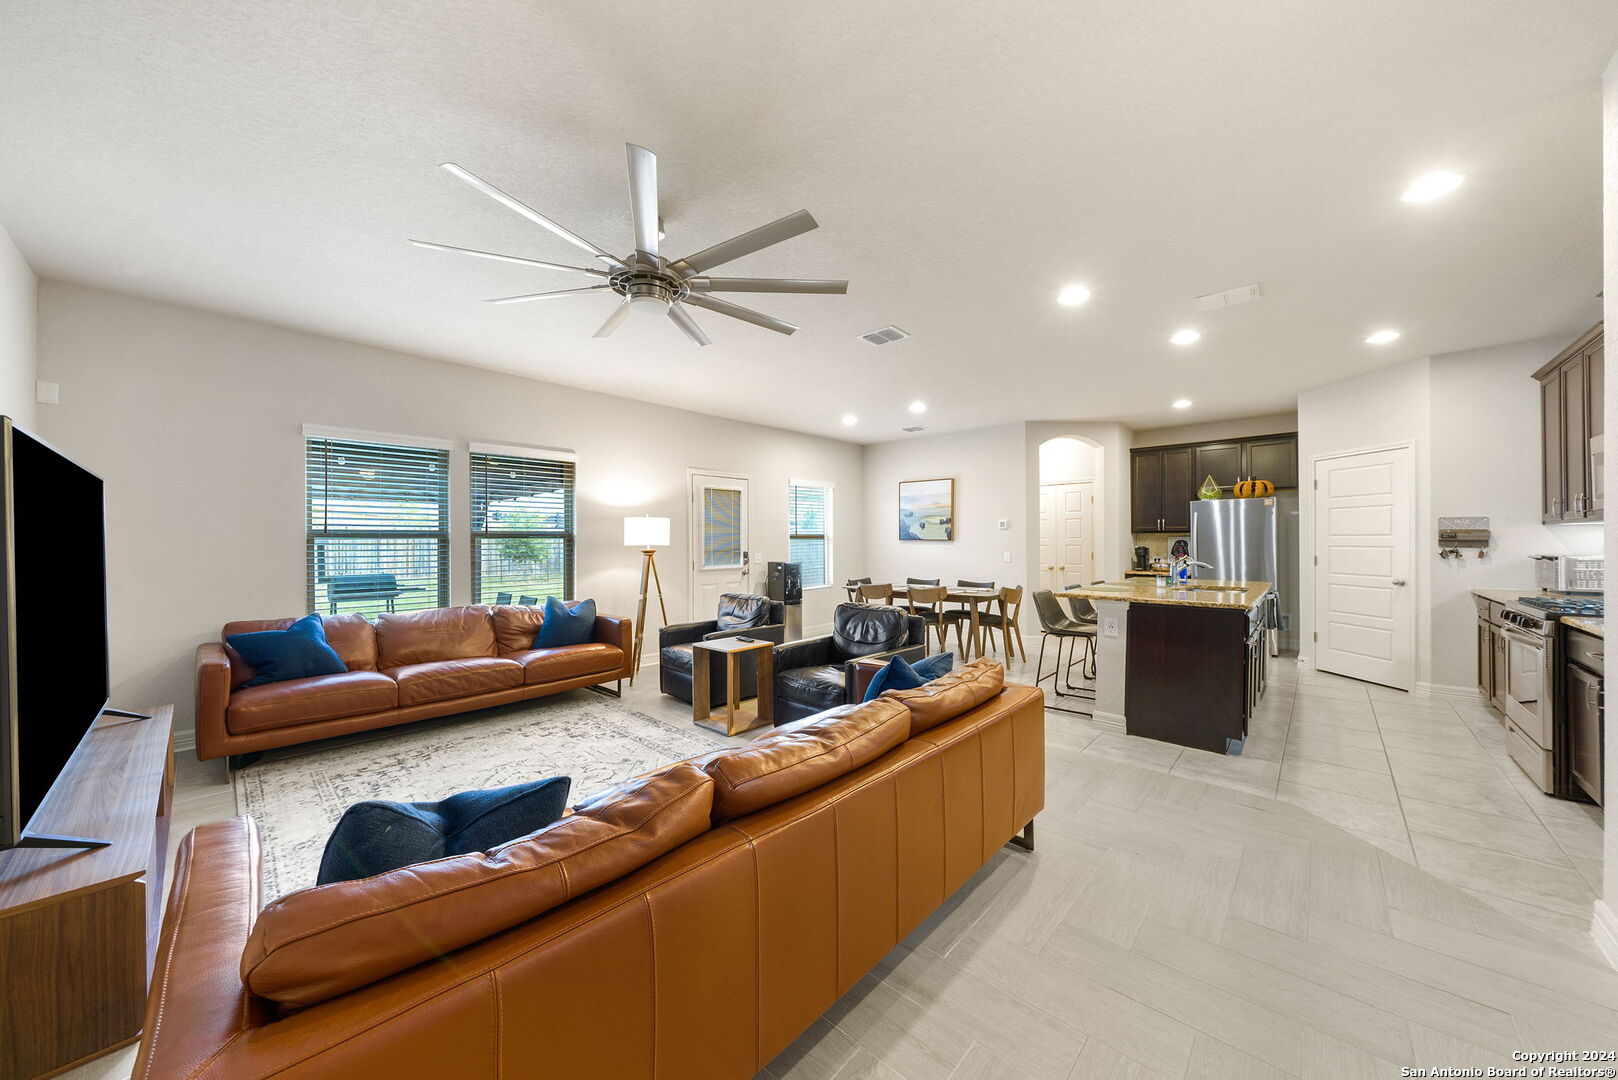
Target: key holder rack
1459, 534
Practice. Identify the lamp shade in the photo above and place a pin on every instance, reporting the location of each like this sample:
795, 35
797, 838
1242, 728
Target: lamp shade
646, 532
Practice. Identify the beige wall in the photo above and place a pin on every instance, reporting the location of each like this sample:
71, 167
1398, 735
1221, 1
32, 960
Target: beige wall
17, 298
195, 421
1272, 424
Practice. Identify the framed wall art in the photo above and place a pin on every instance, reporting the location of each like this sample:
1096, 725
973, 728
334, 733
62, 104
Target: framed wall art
927, 509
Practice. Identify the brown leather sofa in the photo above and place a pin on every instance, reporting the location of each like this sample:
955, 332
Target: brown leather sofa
407, 666
687, 923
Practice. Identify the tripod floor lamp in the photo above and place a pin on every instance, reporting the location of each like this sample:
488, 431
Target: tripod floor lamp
647, 533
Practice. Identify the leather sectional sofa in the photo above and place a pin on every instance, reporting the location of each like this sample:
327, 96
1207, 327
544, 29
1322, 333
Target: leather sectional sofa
407, 666
687, 923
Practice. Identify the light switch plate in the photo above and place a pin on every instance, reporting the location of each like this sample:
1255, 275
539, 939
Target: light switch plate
1005, 556
47, 393
1005, 523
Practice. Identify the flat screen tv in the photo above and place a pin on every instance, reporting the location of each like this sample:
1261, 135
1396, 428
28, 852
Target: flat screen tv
53, 620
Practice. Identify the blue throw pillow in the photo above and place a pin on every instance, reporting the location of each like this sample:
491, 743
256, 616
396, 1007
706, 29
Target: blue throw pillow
374, 837
900, 674
298, 652
564, 625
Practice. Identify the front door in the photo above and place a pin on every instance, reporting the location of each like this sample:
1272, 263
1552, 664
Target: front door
721, 560
1364, 599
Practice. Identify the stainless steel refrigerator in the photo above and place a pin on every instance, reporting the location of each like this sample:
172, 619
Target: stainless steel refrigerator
1252, 540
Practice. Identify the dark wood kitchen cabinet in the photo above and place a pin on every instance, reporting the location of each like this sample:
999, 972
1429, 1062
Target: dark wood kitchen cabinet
1571, 412
1160, 490
1165, 479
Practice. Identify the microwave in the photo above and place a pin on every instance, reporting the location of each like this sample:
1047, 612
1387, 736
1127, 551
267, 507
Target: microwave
1569, 573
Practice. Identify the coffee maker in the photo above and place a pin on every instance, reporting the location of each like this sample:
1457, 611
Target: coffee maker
1143, 558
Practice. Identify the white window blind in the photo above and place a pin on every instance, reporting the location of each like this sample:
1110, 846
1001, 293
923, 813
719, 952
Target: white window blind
809, 531
522, 528
377, 525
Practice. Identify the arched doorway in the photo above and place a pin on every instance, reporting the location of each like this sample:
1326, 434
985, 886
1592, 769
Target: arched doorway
1072, 512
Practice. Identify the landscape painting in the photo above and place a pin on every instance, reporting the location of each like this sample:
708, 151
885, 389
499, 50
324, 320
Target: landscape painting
927, 509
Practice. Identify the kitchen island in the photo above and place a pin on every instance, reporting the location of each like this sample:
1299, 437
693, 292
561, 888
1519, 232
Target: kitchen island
1182, 664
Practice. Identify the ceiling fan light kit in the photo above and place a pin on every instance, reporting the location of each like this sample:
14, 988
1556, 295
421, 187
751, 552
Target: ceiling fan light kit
644, 279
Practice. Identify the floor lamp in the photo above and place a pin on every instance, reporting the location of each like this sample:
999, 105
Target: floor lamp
647, 533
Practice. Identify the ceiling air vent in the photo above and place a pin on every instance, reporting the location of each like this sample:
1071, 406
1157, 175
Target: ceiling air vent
913, 429
885, 335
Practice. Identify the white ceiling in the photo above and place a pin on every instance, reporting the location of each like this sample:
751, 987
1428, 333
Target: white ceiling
964, 161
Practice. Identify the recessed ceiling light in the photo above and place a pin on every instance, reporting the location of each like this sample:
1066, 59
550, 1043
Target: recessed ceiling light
1073, 296
1382, 337
918, 407
1187, 336
1433, 185
1183, 403
849, 419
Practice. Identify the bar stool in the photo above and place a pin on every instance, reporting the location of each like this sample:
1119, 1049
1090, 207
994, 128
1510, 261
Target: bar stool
1054, 622
1085, 612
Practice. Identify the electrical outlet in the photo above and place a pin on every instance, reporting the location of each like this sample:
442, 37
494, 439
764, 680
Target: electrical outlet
1109, 626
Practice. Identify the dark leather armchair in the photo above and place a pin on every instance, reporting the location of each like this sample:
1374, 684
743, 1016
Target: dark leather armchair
817, 674
740, 615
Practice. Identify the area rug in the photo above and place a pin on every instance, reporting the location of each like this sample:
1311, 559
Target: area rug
595, 740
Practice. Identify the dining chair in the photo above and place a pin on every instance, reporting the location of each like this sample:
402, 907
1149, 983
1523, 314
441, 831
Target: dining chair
874, 594
927, 602
1058, 624
962, 614
922, 581
852, 586
1006, 619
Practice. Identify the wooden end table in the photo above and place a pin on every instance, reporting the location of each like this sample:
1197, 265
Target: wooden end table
733, 720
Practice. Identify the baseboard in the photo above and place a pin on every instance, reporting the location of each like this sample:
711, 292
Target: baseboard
1305, 664
1604, 928
1112, 721
1471, 693
185, 739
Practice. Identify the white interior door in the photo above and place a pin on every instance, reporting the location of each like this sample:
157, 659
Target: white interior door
1064, 535
721, 557
1364, 598
1047, 538
1073, 516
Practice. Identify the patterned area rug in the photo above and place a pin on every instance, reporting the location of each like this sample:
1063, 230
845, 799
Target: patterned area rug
595, 740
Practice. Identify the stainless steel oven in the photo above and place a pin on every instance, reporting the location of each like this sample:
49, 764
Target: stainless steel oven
1528, 696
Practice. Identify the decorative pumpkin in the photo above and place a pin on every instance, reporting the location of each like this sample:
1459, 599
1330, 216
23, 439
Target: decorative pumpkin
1254, 489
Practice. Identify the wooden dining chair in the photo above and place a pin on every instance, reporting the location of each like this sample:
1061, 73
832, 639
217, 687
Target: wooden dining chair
962, 613
875, 594
923, 581
927, 601
1006, 619
853, 586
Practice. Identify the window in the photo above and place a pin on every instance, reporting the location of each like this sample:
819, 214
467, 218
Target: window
809, 531
377, 525
522, 527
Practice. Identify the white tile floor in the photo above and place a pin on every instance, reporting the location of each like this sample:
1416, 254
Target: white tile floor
1372, 884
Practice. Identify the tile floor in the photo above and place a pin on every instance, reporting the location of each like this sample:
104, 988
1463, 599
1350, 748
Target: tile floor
1372, 884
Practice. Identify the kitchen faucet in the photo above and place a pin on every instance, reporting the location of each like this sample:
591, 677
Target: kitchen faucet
1180, 568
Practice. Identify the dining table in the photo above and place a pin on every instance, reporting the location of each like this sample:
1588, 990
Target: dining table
958, 594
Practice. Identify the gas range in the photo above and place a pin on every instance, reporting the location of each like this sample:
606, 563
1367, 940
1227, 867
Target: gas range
1538, 614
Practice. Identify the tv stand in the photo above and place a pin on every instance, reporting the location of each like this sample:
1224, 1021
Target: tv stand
127, 714
78, 928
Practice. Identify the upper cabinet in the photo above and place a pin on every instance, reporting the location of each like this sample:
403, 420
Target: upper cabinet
1164, 480
1571, 405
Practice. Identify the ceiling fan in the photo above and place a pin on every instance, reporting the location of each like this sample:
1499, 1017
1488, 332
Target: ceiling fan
644, 278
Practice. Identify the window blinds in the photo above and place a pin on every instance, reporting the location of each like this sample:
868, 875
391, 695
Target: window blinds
809, 531
377, 526
522, 528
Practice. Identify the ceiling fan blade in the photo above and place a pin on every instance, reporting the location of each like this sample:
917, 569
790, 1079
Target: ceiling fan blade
619, 314
682, 318
767, 285
736, 311
511, 258
530, 213
747, 243
544, 295
643, 197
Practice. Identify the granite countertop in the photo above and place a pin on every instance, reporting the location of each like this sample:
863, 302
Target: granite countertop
1207, 594
1146, 573
1588, 625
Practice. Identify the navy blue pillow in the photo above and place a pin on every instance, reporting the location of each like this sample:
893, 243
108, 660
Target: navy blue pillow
900, 674
298, 652
374, 837
564, 625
